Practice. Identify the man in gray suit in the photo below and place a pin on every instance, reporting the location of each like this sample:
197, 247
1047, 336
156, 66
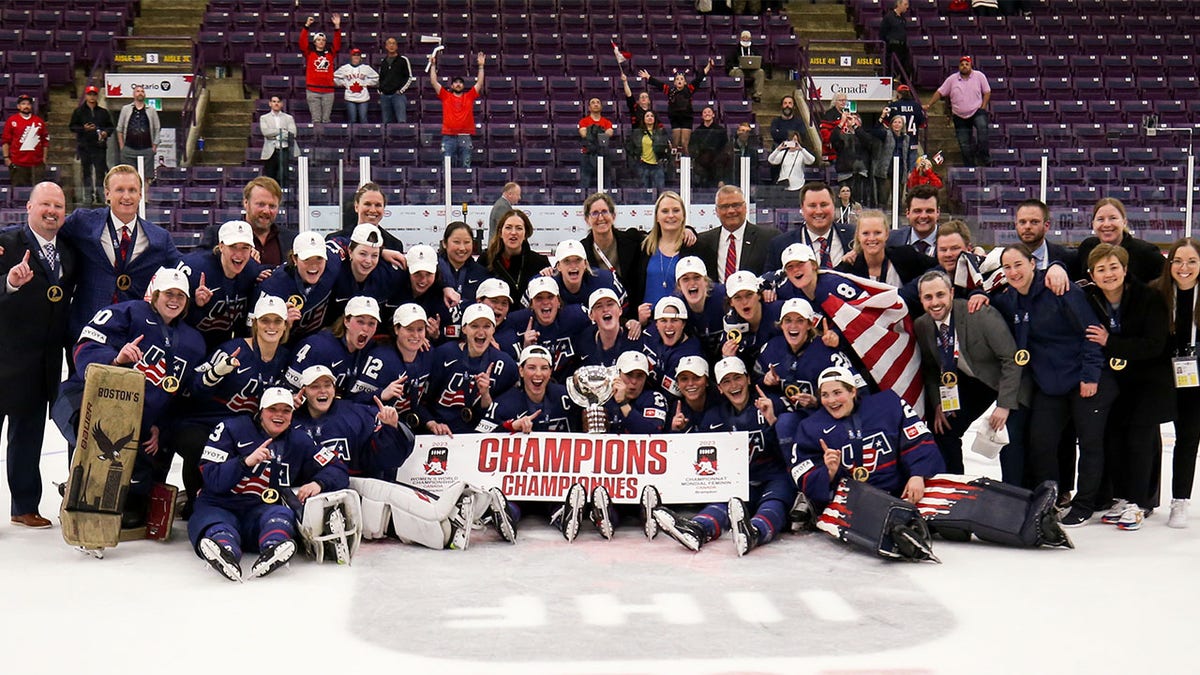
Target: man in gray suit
737, 244
967, 360
279, 141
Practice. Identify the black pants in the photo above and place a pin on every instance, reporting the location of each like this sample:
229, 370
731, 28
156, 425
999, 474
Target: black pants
1187, 439
94, 163
974, 397
1048, 420
275, 167
1129, 459
25, 429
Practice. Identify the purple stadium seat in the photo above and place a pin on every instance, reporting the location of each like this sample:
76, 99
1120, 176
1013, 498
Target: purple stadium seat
531, 156
502, 87
536, 112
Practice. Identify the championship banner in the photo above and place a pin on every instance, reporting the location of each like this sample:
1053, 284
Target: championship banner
540, 467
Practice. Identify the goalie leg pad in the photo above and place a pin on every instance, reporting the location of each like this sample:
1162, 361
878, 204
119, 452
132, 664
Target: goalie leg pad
332, 523
867, 517
417, 516
957, 506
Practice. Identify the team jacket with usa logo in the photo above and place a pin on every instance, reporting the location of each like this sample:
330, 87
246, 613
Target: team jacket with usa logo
367, 447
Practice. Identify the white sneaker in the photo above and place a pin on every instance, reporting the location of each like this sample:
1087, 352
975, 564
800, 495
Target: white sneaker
1114, 514
1179, 514
1131, 519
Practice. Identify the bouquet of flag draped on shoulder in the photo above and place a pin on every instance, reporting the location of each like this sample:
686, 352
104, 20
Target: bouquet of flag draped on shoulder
432, 40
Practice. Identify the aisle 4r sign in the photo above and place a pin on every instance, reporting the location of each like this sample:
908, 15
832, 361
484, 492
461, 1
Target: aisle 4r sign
846, 61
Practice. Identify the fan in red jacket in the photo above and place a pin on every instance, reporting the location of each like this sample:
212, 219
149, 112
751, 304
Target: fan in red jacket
319, 64
25, 141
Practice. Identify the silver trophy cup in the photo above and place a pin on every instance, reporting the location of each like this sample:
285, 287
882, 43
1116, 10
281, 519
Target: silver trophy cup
591, 387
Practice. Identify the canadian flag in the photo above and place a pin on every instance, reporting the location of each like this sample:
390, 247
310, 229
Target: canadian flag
114, 90
622, 56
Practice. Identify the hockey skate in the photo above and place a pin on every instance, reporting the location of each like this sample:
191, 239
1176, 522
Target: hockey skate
570, 515
802, 517
501, 518
601, 517
221, 559
745, 534
912, 545
649, 501
335, 524
683, 530
461, 521
272, 558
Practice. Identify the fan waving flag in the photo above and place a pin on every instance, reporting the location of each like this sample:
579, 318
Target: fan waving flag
874, 321
622, 57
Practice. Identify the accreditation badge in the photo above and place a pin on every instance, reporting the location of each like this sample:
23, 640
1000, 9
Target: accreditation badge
948, 393
1186, 372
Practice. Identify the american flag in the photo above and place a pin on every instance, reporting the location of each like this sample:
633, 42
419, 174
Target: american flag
875, 322
969, 274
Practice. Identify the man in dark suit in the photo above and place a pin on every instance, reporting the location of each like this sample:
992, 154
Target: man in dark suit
1033, 222
118, 251
618, 251
39, 280
748, 250
260, 200
921, 209
967, 358
829, 241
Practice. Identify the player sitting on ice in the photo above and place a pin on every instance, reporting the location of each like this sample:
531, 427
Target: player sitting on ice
771, 491
249, 467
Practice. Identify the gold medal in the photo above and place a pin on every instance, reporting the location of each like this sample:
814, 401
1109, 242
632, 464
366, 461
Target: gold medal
296, 301
270, 496
792, 390
170, 384
467, 415
124, 282
54, 293
412, 420
1021, 357
949, 379
1117, 364
860, 474
734, 335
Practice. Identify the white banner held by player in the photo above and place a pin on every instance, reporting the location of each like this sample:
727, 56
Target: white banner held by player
686, 468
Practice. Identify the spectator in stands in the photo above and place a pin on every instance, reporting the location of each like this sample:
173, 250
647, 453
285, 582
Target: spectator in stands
791, 157
395, 77
458, 112
848, 210
894, 34
1110, 226
638, 105
650, 148
618, 251
837, 110
745, 61
260, 201
356, 78
897, 144
921, 209
319, 57
745, 144
830, 120
904, 105
679, 104
969, 94
985, 7
92, 126
787, 122
25, 140
709, 150
596, 130
137, 131
509, 257
855, 146
510, 196
279, 141
1032, 224
923, 174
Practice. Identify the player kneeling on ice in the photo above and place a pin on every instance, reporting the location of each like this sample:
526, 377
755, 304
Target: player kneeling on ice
373, 443
771, 492
865, 460
249, 467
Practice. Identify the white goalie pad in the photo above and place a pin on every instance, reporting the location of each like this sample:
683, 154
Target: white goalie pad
332, 525
416, 516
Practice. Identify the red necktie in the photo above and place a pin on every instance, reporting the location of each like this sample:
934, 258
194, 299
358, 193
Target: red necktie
123, 251
731, 258
823, 245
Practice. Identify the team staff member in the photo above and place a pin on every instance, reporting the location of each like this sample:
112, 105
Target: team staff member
39, 279
509, 256
1111, 226
260, 201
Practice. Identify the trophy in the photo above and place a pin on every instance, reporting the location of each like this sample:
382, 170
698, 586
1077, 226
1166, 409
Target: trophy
591, 387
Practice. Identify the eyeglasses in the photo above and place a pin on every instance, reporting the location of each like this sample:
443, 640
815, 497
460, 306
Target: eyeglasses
598, 214
1177, 262
730, 207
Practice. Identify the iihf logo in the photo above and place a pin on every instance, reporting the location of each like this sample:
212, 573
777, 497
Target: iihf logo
436, 463
706, 461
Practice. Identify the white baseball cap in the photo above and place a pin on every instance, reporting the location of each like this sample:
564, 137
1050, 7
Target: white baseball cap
797, 306
670, 302
493, 288
690, 265
695, 365
236, 232
478, 311
601, 293
630, 361
408, 313
362, 305
541, 285
308, 245
798, 252
367, 235
569, 248
268, 305
313, 373
167, 278
727, 365
836, 374
277, 395
741, 281
535, 352
422, 258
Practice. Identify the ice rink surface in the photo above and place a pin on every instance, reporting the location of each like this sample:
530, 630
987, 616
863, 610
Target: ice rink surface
1121, 602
